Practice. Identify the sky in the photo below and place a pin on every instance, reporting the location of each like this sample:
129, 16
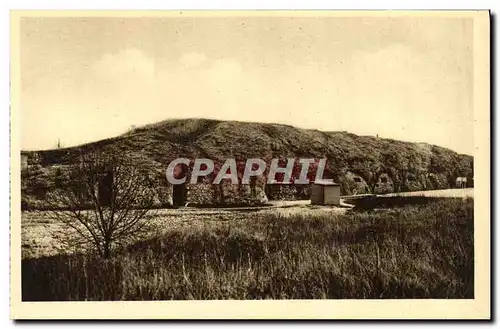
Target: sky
407, 78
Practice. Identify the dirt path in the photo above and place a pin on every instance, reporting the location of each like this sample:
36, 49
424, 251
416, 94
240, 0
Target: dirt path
449, 193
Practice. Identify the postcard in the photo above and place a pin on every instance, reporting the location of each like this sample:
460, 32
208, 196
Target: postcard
250, 165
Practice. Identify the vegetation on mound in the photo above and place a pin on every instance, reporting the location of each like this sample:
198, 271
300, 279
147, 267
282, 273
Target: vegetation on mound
424, 251
406, 166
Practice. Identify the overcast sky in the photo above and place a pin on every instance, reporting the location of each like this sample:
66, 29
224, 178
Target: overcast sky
84, 79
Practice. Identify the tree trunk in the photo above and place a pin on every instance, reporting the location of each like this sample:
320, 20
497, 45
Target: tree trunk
107, 250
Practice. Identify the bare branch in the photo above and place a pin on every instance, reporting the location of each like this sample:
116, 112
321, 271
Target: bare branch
125, 214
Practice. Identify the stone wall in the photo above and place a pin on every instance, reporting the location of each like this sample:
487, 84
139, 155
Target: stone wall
288, 192
384, 185
353, 184
204, 193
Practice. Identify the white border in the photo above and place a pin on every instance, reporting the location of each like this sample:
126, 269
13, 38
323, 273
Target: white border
148, 4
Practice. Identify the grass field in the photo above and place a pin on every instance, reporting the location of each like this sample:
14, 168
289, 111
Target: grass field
304, 252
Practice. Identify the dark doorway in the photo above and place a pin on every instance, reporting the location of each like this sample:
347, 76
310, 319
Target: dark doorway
105, 188
179, 195
179, 191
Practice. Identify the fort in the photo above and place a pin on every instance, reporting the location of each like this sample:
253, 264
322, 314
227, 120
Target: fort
176, 171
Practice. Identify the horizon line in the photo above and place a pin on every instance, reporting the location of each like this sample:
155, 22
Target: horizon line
135, 128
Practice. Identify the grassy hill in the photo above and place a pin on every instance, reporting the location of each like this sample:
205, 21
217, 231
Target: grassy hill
407, 166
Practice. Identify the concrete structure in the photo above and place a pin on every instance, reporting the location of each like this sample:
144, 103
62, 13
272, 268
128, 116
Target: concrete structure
24, 161
461, 182
325, 193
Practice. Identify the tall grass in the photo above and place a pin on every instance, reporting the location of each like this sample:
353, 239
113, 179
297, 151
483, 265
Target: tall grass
423, 251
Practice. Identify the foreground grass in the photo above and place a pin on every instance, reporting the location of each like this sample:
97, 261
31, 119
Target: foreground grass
423, 251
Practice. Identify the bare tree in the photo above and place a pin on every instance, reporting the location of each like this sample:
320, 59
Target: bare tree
109, 201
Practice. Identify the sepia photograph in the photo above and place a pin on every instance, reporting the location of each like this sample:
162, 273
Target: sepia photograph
197, 160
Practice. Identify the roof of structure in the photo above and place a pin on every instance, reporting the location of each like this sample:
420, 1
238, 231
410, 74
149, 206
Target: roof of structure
326, 183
